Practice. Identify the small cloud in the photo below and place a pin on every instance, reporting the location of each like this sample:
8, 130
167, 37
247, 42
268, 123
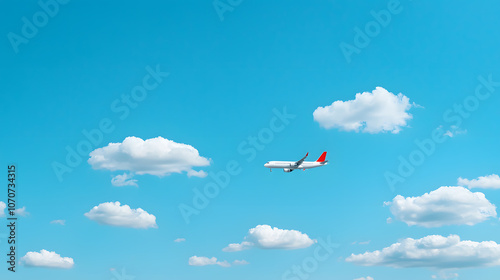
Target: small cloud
180, 240
484, 182
453, 131
433, 251
444, 206
369, 112
364, 278
224, 264
445, 275
199, 174
156, 156
60, 222
2, 208
114, 214
22, 212
415, 105
240, 262
361, 242
47, 259
236, 247
124, 180
267, 237
204, 261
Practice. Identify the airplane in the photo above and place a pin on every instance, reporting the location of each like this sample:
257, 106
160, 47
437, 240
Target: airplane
289, 166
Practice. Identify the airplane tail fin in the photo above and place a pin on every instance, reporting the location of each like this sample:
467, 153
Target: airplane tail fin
322, 157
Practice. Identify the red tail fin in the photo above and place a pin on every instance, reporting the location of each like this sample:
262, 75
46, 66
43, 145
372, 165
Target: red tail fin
322, 157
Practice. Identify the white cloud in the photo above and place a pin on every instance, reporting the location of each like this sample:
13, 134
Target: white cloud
203, 261
433, 251
267, 237
235, 247
240, 262
2, 208
445, 275
180, 240
60, 222
194, 173
444, 206
364, 278
22, 212
485, 182
124, 180
224, 264
370, 112
156, 156
453, 131
112, 213
19, 212
47, 259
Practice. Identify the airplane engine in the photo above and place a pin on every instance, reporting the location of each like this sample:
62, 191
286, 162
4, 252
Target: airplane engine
287, 170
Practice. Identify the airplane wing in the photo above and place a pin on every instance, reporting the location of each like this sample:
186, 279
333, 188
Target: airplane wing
300, 161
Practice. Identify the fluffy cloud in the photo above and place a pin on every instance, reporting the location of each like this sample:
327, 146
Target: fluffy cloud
364, 278
114, 214
124, 180
19, 212
180, 240
240, 262
203, 261
370, 112
485, 182
235, 247
22, 212
60, 222
156, 156
267, 237
47, 259
433, 251
2, 208
444, 206
194, 173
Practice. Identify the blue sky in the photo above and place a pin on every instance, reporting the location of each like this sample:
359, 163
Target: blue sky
226, 79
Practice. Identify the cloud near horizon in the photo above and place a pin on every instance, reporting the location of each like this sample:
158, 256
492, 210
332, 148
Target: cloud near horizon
369, 112
433, 251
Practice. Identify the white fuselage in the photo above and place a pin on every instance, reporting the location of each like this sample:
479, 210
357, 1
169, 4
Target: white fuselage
291, 164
